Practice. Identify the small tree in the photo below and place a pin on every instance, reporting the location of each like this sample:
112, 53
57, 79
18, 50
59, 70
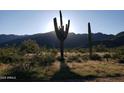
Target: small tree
29, 46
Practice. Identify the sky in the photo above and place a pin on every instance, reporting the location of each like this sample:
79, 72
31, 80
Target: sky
28, 22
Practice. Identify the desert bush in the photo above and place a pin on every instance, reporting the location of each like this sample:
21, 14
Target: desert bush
22, 72
118, 53
120, 50
74, 58
53, 52
72, 50
107, 56
96, 57
100, 48
9, 55
29, 46
48, 58
121, 60
44, 59
115, 56
85, 57
82, 50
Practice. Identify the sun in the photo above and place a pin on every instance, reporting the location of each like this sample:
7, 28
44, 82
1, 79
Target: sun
50, 25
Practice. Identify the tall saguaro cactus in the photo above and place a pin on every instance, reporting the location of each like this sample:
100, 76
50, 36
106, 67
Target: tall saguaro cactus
61, 33
90, 40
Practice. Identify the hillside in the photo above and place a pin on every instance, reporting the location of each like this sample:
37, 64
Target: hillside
73, 40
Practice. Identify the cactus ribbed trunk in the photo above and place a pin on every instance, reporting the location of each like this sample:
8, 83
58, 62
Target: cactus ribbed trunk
61, 33
90, 40
62, 50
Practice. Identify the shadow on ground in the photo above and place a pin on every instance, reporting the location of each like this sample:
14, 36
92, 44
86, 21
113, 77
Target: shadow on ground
65, 74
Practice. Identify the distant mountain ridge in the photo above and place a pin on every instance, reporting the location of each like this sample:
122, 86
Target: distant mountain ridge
73, 40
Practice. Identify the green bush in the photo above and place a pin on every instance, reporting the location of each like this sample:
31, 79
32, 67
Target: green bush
9, 55
29, 46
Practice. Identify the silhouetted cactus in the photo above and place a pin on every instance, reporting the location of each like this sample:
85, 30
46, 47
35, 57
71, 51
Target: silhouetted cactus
90, 40
61, 33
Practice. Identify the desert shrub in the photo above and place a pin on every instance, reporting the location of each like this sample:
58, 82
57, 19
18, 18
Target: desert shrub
9, 55
121, 59
96, 57
115, 56
85, 57
82, 50
107, 56
45, 59
22, 72
29, 46
120, 50
53, 52
100, 48
118, 53
74, 58
72, 50
44, 49
48, 58
68, 50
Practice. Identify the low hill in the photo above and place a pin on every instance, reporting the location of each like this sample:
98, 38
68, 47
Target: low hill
73, 40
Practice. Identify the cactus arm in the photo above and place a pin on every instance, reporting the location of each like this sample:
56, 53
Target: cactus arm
67, 29
68, 24
61, 22
55, 24
66, 32
56, 28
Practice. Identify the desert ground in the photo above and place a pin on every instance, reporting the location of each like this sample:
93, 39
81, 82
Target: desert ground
46, 66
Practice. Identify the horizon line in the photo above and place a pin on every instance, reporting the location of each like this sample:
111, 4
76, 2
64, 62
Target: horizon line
53, 31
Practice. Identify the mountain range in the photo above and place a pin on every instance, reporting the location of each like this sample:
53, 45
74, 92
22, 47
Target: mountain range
73, 40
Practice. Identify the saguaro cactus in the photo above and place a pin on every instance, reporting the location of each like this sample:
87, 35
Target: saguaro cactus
61, 33
90, 40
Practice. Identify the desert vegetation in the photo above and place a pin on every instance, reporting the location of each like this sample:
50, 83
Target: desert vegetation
44, 64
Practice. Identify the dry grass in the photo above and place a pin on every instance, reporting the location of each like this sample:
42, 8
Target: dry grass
45, 73
4, 69
97, 69
78, 64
